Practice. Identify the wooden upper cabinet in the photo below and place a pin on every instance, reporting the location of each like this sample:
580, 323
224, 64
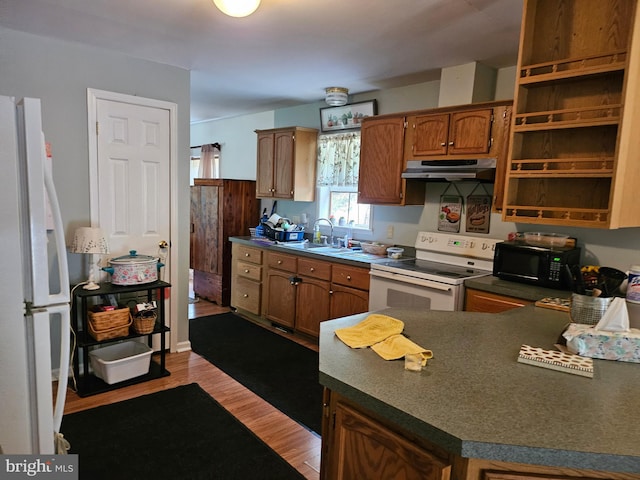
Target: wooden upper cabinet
264, 177
287, 163
382, 163
283, 167
470, 132
575, 140
459, 133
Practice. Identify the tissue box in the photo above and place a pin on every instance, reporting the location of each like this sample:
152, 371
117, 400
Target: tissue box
585, 340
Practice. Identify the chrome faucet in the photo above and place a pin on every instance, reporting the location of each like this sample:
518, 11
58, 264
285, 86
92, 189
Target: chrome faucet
330, 225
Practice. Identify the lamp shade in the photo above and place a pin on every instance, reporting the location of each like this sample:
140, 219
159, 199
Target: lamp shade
89, 240
336, 96
237, 8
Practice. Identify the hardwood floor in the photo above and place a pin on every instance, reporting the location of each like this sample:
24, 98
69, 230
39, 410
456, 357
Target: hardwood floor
294, 443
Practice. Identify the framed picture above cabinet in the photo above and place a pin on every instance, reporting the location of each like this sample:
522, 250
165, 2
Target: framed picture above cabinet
346, 117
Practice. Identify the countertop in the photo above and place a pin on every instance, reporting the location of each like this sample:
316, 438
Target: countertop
474, 399
336, 255
513, 289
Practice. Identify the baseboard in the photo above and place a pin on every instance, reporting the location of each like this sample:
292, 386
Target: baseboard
183, 346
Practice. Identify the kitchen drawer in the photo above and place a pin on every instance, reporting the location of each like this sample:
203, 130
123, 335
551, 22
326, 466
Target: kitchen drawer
249, 270
246, 295
314, 268
350, 276
282, 261
249, 254
479, 301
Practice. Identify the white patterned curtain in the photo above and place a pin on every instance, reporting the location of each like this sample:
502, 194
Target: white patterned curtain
209, 162
338, 159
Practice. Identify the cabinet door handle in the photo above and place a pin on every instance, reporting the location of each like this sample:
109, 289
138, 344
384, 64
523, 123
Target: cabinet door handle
451, 144
443, 144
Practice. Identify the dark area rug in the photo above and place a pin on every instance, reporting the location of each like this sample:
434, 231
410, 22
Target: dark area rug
181, 433
279, 370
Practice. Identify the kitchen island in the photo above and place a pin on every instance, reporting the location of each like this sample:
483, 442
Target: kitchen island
474, 407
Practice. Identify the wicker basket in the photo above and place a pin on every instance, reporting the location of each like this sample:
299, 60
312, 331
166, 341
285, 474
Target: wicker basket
106, 327
108, 319
375, 248
145, 322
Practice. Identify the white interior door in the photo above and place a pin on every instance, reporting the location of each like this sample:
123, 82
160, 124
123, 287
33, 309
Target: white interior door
133, 173
133, 168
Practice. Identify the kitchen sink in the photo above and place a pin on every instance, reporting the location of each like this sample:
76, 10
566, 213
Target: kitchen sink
328, 250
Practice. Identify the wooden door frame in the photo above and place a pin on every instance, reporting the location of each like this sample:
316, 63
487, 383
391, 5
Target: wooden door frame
93, 95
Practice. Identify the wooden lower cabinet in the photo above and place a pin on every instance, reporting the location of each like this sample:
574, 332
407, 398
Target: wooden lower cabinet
246, 278
312, 305
356, 446
281, 298
359, 444
347, 301
479, 301
301, 292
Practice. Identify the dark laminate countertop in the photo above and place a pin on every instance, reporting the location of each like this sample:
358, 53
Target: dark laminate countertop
474, 399
513, 289
345, 256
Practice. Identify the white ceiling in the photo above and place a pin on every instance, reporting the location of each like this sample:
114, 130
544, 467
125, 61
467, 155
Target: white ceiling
289, 51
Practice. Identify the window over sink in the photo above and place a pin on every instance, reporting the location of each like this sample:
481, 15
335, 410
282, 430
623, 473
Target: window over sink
337, 181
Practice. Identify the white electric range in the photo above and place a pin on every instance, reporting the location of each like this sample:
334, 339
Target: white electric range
434, 280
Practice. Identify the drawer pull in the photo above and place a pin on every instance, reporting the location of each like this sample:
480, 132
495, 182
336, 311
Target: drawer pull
312, 269
349, 277
247, 254
246, 270
246, 295
279, 262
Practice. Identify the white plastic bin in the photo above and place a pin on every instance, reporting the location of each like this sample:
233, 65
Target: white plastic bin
121, 361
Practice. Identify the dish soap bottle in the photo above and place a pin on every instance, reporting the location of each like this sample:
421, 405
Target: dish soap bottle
317, 237
260, 228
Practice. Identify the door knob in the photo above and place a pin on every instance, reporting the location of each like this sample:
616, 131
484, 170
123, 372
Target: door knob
163, 244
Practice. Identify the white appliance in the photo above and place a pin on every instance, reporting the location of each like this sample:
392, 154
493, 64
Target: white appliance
34, 286
434, 280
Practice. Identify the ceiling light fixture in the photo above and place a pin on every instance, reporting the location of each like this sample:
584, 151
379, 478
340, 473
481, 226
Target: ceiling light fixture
237, 8
336, 96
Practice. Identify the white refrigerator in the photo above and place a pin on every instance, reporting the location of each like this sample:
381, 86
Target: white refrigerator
34, 286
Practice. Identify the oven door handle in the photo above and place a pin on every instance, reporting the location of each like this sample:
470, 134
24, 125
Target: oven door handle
414, 281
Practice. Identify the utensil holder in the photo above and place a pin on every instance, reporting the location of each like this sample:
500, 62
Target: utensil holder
588, 310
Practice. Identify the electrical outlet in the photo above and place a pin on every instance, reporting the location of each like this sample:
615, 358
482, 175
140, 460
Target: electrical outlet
390, 231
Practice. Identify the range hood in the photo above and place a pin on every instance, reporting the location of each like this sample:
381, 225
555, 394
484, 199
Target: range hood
483, 169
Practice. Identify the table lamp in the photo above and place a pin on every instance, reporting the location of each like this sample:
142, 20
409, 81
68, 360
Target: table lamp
90, 240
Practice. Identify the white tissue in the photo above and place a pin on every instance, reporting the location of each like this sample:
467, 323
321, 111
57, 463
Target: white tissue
615, 318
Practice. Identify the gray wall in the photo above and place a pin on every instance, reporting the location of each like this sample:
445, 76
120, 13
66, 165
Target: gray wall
616, 248
59, 73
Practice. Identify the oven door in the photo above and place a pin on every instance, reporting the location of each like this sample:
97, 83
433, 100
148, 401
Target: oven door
389, 289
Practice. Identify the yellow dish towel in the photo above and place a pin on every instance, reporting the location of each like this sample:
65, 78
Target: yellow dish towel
397, 346
373, 329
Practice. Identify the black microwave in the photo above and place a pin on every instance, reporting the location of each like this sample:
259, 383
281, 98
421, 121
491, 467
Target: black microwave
543, 266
